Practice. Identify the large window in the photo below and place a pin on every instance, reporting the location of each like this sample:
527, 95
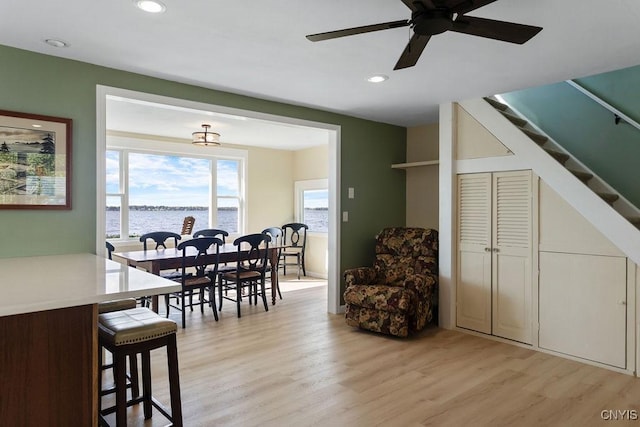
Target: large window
312, 204
156, 191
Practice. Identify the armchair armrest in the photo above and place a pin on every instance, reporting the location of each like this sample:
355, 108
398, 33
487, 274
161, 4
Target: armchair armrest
359, 276
424, 284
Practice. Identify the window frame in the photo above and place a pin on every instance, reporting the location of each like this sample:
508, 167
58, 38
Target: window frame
126, 144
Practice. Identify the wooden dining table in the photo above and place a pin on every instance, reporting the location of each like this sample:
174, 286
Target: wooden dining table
156, 260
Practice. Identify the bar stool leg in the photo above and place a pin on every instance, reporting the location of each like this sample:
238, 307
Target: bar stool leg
174, 381
146, 383
120, 377
133, 373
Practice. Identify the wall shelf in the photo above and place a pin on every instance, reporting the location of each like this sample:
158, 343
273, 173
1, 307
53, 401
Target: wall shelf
414, 164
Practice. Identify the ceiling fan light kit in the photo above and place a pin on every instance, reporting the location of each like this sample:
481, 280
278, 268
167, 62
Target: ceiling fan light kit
433, 17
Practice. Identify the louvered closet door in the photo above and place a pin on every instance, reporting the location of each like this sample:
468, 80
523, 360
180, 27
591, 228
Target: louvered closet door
511, 248
473, 288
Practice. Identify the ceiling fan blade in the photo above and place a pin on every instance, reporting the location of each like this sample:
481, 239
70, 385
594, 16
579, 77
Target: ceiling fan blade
422, 5
410, 5
497, 30
469, 5
357, 30
412, 52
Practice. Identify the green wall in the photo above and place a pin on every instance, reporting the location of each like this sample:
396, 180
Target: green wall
41, 84
588, 130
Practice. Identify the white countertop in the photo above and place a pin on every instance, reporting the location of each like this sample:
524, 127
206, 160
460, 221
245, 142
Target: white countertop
29, 284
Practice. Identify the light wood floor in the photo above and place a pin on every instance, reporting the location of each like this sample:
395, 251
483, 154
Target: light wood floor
296, 365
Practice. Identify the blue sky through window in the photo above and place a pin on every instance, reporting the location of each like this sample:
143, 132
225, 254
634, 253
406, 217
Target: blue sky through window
156, 180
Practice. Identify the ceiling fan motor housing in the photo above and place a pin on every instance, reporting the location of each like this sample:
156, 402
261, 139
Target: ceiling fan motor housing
432, 22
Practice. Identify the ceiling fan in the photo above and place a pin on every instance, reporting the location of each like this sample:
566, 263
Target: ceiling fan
431, 17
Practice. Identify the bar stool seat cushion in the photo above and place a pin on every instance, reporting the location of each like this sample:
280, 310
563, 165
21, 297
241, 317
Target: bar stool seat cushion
133, 326
116, 305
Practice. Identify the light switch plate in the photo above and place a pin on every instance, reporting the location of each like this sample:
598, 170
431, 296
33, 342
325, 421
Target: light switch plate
345, 216
351, 193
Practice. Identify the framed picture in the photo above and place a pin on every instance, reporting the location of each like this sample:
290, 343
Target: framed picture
35, 161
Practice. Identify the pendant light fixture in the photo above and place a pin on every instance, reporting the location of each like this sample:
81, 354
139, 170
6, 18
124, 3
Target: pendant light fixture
206, 137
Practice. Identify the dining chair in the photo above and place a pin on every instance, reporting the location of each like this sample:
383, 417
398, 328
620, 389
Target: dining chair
199, 270
275, 234
110, 249
253, 249
220, 234
294, 240
187, 225
160, 238
212, 232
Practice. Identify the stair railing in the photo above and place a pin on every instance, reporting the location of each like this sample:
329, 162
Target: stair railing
619, 115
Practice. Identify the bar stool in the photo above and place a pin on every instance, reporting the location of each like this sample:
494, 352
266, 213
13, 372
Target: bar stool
140, 330
108, 307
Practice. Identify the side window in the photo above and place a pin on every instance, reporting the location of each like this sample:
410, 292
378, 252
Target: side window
228, 195
312, 204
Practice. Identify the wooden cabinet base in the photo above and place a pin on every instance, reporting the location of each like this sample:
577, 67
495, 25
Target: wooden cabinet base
48, 367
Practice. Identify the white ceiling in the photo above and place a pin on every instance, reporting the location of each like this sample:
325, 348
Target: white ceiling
259, 48
125, 115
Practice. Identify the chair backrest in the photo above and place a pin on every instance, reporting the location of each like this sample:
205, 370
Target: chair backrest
406, 250
203, 246
160, 237
257, 246
110, 249
275, 233
212, 232
187, 225
295, 235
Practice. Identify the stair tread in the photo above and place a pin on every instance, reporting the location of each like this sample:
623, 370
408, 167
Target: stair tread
582, 176
635, 220
609, 197
514, 119
497, 104
559, 156
538, 138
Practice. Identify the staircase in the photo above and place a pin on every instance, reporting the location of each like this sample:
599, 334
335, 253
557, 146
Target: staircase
601, 188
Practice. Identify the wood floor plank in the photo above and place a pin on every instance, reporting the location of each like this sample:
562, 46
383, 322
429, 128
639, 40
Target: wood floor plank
296, 365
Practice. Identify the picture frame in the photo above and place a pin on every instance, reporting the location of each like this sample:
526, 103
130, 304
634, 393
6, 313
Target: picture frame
35, 161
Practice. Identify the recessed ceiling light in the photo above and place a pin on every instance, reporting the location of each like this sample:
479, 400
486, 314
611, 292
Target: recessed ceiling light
56, 43
151, 6
378, 78
36, 126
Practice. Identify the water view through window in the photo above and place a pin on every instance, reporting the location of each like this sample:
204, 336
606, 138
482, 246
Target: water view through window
164, 189
316, 210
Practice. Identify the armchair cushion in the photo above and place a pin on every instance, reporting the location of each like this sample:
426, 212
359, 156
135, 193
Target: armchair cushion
398, 294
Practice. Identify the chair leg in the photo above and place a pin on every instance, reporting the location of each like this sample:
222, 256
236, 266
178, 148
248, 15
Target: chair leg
264, 295
304, 270
119, 372
146, 383
238, 297
166, 303
298, 261
220, 279
174, 380
183, 310
133, 374
212, 301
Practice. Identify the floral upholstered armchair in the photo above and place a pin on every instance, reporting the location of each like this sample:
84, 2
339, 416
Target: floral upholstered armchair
399, 294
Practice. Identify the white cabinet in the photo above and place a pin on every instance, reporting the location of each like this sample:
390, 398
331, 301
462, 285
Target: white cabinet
583, 306
493, 291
